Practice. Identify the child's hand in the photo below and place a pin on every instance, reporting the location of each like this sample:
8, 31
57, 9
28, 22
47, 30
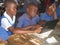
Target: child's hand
53, 7
28, 27
0, 40
42, 23
36, 26
38, 30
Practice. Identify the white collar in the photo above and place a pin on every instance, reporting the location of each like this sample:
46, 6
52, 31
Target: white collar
9, 18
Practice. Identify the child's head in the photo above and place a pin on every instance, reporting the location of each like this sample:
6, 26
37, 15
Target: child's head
32, 9
10, 7
49, 10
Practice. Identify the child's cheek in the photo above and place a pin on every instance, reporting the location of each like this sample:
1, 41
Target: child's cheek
13, 11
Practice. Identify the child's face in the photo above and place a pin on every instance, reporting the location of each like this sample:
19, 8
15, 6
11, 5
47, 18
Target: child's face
11, 9
32, 11
49, 11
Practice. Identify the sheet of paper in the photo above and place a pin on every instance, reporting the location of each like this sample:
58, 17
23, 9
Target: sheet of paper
42, 35
45, 34
51, 40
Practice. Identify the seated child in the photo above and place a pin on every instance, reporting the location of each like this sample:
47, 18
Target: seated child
49, 15
29, 18
8, 20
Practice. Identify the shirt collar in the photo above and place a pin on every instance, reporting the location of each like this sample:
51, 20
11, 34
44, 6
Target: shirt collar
6, 15
9, 18
26, 15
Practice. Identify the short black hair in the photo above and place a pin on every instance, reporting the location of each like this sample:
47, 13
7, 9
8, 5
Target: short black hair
7, 2
31, 4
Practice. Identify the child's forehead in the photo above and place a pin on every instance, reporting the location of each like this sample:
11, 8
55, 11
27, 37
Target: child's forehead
9, 3
13, 4
32, 7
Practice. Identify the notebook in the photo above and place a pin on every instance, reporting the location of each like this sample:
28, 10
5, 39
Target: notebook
51, 24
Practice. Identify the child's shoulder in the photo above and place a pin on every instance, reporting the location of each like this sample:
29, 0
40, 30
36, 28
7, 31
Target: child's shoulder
3, 18
22, 17
44, 14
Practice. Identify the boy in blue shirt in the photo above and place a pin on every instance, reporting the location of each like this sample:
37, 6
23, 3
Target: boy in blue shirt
8, 20
30, 18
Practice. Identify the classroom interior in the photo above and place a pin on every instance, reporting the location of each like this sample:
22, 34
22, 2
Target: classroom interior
48, 36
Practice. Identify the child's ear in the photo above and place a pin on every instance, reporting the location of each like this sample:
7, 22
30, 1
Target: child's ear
6, 9
27, 10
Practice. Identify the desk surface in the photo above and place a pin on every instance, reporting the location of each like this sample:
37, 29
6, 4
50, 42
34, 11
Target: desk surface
55, 33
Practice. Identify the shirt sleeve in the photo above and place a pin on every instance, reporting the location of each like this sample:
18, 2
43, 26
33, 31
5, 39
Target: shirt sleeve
20, 23
37, 19
42, 17
5, 23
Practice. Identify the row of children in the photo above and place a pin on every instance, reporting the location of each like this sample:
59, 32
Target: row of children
29, 22
8, 19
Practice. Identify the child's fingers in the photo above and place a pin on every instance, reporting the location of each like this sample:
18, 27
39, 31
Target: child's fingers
0, 39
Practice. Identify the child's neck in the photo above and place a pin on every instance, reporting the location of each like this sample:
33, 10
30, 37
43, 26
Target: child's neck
30, 16
11, 17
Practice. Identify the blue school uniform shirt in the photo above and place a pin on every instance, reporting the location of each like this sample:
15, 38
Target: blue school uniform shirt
24, 20
58, 11
45, 17
3, 34
7, 22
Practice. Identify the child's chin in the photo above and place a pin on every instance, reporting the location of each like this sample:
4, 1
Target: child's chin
14, 14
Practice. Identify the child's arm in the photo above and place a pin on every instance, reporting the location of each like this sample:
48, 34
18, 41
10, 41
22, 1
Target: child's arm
42, 22
0, 40
32, 27
21, 30
54, 11
55, 15
7, 25
27, 27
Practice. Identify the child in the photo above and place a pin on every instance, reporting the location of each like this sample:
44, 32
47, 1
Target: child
49, 15
8, 20
30, 18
